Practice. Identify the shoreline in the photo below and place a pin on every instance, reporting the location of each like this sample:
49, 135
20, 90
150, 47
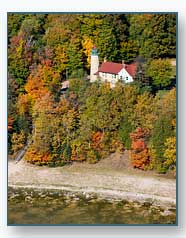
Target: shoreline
93, 180
103, 194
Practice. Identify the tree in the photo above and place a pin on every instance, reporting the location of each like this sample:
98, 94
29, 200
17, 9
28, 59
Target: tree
139, 153
30, 27
163, 129
161, 72
18, 142
170, 153
43, 80
160, 37
87, 45
10, 123
23, 46
14, 23
143, 111
75, 57
129, 51
155, 34
90, 121
106, 31
19, 60
60, 59
124, 132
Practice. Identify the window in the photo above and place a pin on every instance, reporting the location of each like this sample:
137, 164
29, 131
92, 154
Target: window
127, 78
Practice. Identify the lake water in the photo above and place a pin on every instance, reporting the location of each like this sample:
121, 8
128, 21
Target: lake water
28, 206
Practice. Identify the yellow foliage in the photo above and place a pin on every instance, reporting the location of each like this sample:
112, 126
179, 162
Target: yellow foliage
170, 153
87, 47
60, 59
78, 150
153, 157
91, 156
18, 141
23, 104
20, 48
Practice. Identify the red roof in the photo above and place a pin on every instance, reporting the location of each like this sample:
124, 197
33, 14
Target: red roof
115, 68
131, 68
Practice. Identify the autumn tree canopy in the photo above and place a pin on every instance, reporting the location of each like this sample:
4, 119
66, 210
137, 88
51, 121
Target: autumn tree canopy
90, 121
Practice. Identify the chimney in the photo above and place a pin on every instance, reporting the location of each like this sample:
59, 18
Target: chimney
105, 59
123, 63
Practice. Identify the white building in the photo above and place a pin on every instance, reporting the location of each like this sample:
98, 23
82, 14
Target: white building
111, 72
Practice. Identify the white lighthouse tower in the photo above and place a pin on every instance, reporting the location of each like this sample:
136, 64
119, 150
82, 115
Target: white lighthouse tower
94, 64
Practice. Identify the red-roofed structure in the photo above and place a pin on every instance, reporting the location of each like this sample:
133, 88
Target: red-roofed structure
110, 67
115, 68
112, 72
132, 68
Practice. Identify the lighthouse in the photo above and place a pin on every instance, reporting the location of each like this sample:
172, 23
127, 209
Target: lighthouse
94, 64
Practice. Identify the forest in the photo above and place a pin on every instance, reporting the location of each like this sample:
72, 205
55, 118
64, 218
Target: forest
91, 120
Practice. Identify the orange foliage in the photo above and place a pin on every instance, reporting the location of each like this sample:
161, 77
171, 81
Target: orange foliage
77, 156
35, 88
141, 159
138, 145
139, 133
139, 153
32, 156
43, 80
10, 122
96, 140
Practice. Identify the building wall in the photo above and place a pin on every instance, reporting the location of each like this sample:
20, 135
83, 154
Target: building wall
125, 76
113, 78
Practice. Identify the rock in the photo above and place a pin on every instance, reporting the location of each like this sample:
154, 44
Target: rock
28, 198
166, 213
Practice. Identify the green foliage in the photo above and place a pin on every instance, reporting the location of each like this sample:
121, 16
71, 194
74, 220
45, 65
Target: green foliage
160, 72
14, 23
106, 32
30, 27
160, 37
163, 129
129, 51
18, 61
124, 133
155, 34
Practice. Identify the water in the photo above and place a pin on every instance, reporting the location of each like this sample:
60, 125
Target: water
28, 206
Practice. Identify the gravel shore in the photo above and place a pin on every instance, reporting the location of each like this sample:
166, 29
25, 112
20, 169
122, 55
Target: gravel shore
99, 179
